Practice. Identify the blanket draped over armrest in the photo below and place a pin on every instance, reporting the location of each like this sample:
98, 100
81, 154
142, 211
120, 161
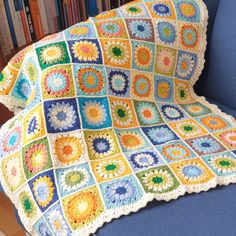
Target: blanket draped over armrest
107, 119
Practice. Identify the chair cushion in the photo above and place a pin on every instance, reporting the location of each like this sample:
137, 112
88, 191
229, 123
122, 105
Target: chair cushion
219, 81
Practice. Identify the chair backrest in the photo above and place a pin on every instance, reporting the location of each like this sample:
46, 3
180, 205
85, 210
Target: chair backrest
219, 78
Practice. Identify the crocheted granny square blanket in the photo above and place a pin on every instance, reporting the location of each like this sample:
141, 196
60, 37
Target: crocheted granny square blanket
107, 119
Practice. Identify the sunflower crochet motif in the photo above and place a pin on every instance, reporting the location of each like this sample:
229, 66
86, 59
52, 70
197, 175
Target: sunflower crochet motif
107, 120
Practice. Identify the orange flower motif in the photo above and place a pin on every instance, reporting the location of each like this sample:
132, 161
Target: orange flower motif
68, 149
91, 77
163, 90
214, 123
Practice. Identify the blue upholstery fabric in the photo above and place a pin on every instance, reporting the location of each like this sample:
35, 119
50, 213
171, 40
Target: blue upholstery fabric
220, 76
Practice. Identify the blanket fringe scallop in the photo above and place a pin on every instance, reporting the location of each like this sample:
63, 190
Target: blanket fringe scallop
180, 191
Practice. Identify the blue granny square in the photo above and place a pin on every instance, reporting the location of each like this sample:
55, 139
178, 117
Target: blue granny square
118, 82
172, 112
44, 189
144, 159
159, 134
121, 192
95, 113
61, 115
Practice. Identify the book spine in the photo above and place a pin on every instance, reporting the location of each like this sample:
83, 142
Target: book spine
29, 19
65, 13
19, 6
10, 23
49, 16
83, 10
99, 4
43, 16
114, 4
78, 11
54, 15
35, 13
16, 18
5, 26
70, 19
3, 43
61, 14
58, 14
92, 8
108, 5
73, 11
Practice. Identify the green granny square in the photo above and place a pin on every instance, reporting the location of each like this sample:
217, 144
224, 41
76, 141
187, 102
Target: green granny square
158, 180
53, 54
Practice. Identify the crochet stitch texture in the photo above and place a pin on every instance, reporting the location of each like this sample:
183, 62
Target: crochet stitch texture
107, 119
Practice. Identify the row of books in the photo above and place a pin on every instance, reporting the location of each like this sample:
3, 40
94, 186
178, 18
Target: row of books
24, 21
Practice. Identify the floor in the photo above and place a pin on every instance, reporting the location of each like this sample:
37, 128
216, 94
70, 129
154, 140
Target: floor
8, 223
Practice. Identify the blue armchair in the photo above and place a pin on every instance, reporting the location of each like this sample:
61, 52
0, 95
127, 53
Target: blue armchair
213, 212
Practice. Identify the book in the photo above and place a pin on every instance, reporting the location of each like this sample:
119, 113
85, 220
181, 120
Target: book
5, 29
92, 8
83, 10
17, 24
114, 4
19, 6
99, 5
54, 15
43, 17
10, 23
29, 19
61, 13
49, 15
69, 12
56, 2
35, 13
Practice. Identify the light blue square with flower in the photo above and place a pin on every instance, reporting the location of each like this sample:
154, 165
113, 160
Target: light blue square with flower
223, 164
134, 10
84, 30
164, 89
187, 10
55, 218
121, 192
159, 134
186, 65
42, 228
74, 178
22, 88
